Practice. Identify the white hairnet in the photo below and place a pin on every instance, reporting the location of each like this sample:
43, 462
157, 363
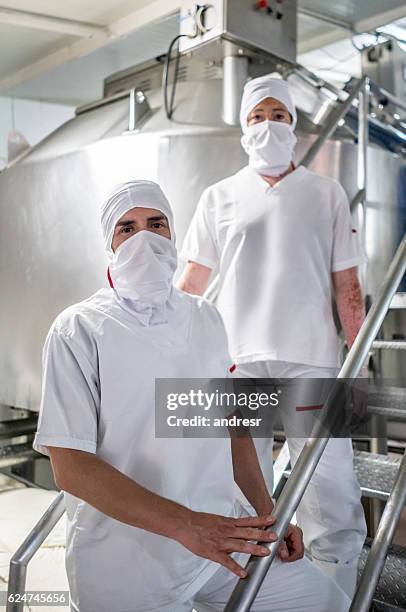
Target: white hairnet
265, 87
124, 197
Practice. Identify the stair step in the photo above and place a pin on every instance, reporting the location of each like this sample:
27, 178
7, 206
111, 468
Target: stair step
376, 473
387, 401
390, 594
398, 301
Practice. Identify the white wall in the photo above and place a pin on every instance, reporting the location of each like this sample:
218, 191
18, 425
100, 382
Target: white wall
34, 119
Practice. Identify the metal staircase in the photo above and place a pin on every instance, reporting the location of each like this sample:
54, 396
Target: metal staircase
390, 594
377, 476
392, 487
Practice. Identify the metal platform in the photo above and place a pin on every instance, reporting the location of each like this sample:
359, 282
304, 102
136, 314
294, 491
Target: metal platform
376, 473
390, 595
389, 402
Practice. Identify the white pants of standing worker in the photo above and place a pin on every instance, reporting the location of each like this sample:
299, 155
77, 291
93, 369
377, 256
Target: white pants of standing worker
288, 587
330, 513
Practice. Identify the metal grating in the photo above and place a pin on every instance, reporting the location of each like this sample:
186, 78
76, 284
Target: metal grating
376, 473
390, 594
387, 401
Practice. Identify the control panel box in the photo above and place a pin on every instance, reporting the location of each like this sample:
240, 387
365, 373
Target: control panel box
266, 25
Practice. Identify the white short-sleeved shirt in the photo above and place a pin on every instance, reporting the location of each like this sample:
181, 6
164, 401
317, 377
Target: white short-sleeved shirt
100, 366
274, 249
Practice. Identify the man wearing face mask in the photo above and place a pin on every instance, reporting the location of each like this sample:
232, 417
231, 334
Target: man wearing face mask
281, 240
152, 522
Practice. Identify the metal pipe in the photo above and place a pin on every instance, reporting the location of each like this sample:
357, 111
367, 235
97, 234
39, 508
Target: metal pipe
235, 73
394, 345
359, 197
373, 321
138, 108
18, 427
331, 123
246, 590
21, 558
378, 444
131, 111
384, 535
393, 99
362, 154
13, 454
363, 98
309, 77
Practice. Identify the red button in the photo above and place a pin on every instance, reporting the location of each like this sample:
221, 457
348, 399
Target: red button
232, 368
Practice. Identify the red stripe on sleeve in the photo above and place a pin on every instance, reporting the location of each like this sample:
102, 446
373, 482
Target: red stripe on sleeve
109, 278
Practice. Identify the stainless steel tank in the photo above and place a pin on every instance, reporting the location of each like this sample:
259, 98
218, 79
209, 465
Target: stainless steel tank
51, 250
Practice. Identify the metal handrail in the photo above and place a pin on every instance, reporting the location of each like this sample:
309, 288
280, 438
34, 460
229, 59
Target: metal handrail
391, 98
394, 345
332, 121
383, 538
246, 590
21, 558
310, 77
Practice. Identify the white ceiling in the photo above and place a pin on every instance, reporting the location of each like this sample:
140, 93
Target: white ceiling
100, 12
53, 66
358, 14
19, 47
81, 80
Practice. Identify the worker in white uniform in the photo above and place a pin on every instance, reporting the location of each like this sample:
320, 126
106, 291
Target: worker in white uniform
153, 522
282, 242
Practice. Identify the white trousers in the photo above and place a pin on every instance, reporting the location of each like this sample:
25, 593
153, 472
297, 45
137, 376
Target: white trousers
330, 513
288, 587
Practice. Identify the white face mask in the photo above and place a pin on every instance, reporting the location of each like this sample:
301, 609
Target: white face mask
269, 145
143, 266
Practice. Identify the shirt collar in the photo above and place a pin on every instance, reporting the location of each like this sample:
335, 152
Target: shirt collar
291, 178
146, 314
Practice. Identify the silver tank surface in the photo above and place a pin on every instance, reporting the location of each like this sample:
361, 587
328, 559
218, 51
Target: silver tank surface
51, 249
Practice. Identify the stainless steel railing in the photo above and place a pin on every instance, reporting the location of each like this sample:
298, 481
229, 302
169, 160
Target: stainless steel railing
246, 590
332, 121
383, 537
21, 558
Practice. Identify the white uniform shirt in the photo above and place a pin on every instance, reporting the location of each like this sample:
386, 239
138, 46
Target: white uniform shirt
98, 396
275, 249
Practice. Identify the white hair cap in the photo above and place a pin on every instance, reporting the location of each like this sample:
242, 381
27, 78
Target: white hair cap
265, 87
133, 194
